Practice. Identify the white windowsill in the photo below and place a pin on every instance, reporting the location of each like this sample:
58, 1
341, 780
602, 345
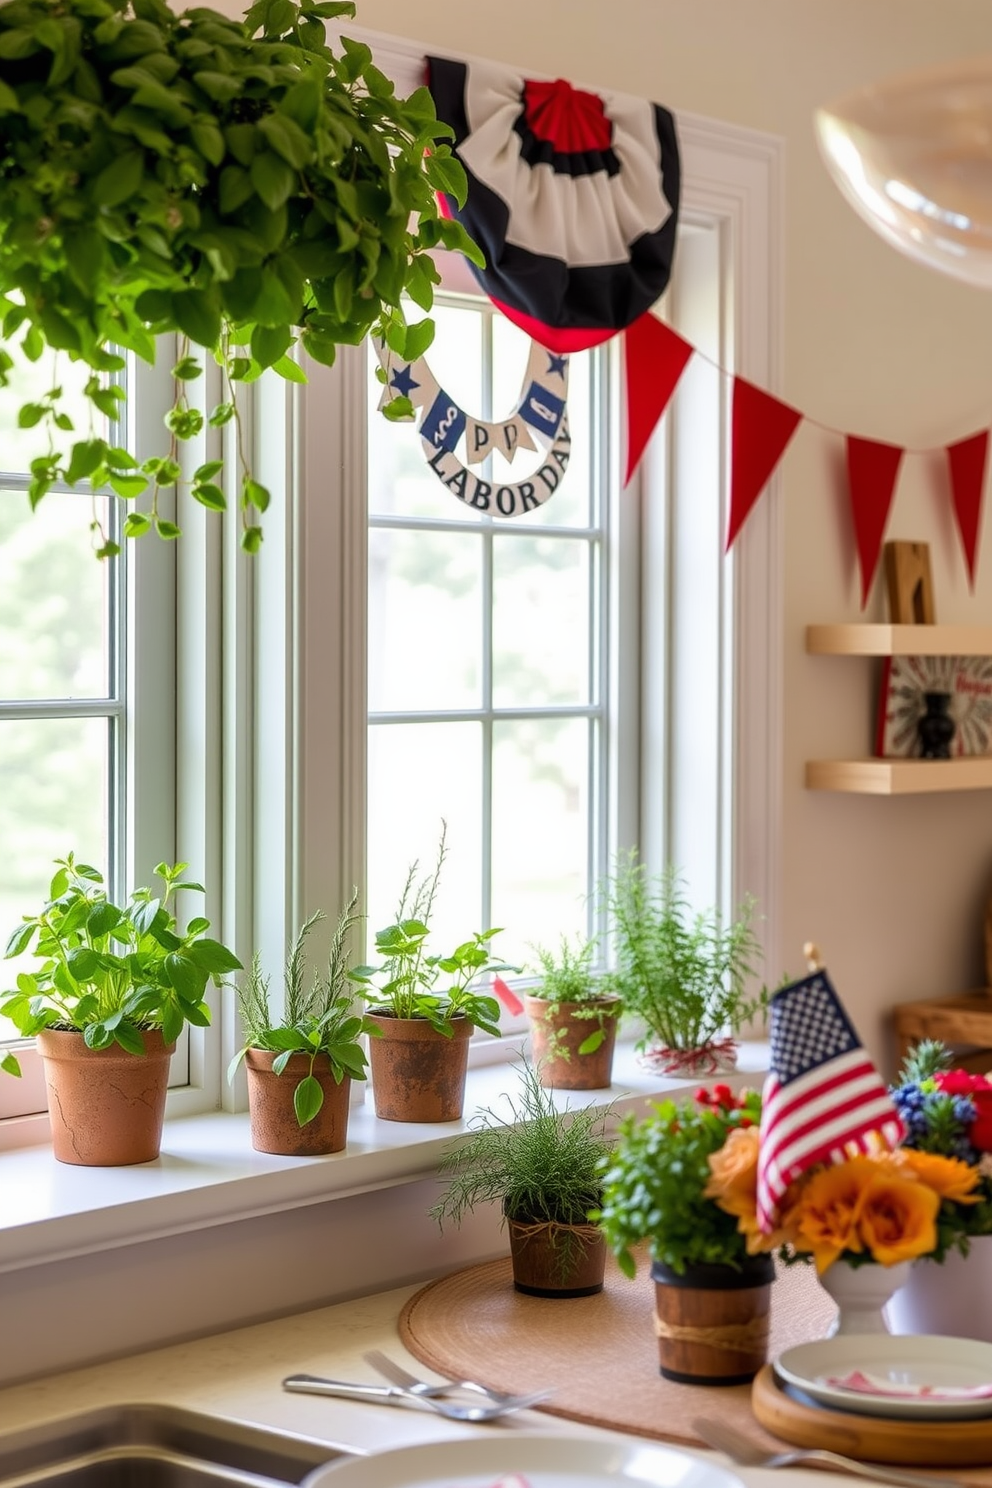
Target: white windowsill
208, 1173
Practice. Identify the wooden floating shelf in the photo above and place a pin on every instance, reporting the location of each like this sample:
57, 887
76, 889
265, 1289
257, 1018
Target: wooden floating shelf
900, 777
899, 640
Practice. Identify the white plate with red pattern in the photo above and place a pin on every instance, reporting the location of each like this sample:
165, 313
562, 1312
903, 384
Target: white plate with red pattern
521, 1461
918, 1377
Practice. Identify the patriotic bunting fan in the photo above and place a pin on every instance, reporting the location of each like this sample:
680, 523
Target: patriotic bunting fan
573, 198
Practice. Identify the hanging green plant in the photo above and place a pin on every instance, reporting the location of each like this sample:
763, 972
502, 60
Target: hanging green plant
236, 183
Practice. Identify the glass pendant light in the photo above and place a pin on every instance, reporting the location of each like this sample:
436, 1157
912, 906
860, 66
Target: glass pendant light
913, 156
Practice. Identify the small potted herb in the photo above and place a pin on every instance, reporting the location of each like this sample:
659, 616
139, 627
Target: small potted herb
573, 1018
712, 1294
686, 976
116, 985
542, 1165
424, 1006
301, 1062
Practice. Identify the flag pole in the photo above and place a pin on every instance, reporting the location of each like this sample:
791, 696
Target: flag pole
814, 957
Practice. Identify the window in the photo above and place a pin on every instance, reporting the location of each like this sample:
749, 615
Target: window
489, 660
235, 732
75, 636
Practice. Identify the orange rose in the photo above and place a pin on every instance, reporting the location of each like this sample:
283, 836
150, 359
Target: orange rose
734, 1169
827, 1208
897, 1218
947, 1176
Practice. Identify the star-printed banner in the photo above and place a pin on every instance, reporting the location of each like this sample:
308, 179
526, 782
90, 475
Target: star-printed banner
539, 422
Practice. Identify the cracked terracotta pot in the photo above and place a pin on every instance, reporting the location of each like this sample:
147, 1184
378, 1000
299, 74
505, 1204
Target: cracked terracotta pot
106, 1106
557, 1031
274, 1127
417, 1073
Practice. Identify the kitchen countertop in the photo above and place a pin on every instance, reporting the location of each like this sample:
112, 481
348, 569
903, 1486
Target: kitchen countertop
237, 1374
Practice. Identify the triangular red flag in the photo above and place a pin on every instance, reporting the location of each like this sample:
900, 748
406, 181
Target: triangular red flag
507, 997
966, 464
654, 359
872, 468
761, 429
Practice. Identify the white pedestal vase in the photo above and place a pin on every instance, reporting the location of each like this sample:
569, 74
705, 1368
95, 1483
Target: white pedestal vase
861, 1294
952, 1298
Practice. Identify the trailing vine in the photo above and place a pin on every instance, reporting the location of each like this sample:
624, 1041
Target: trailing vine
237, 184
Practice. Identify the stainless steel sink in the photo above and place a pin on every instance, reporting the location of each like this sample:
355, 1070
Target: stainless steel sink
155, 1446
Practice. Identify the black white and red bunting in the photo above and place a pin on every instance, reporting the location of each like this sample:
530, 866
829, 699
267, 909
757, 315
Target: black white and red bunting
574, 198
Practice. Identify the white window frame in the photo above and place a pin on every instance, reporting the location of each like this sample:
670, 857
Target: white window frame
285, 830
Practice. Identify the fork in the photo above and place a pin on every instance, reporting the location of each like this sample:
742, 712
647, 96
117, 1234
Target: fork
399, 1376
314, 1384
747, 1453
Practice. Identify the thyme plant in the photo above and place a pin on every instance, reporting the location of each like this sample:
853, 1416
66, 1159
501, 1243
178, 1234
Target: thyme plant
567, 976
542, 1164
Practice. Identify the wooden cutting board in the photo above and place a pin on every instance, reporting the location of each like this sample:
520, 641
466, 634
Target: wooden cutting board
911, 1443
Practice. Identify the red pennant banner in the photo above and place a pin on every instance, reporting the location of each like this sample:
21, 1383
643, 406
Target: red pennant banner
654, 358
761, 429
872, 468
966, 462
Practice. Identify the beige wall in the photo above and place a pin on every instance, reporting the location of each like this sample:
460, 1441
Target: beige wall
894, 889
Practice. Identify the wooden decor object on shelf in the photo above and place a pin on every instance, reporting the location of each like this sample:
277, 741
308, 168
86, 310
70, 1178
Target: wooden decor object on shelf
988, 943
909, 585
962, 1019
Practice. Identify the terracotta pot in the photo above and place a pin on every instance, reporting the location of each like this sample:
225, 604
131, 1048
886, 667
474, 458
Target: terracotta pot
417, 1073
106, 1106
556, 1033
274, 1127
551, 1260
712, 1322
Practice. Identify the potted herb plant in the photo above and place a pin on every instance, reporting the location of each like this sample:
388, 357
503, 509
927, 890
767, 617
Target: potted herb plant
712, 1293
115, 987
573, 1020
300, 1062
686, 976
235, 183
424, 1006
543, 1166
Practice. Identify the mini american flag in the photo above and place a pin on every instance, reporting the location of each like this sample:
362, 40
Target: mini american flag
823, 1099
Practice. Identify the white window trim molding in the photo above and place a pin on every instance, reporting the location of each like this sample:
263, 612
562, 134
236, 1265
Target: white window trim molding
305, 844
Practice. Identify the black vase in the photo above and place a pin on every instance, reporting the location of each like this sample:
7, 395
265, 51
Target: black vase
935, 727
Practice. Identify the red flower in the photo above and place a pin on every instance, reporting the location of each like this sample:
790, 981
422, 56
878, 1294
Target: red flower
724, 1096
978, 1089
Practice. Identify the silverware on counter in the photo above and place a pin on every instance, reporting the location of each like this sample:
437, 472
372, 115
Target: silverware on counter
746, 1453
398, 1375
313, 1384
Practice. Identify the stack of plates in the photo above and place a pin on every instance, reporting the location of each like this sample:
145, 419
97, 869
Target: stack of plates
918, 1378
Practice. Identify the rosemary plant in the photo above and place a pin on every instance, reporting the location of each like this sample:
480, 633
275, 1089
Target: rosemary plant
684, 975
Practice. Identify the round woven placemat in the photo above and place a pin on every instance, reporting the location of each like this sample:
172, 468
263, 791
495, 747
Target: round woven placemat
599, 1354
